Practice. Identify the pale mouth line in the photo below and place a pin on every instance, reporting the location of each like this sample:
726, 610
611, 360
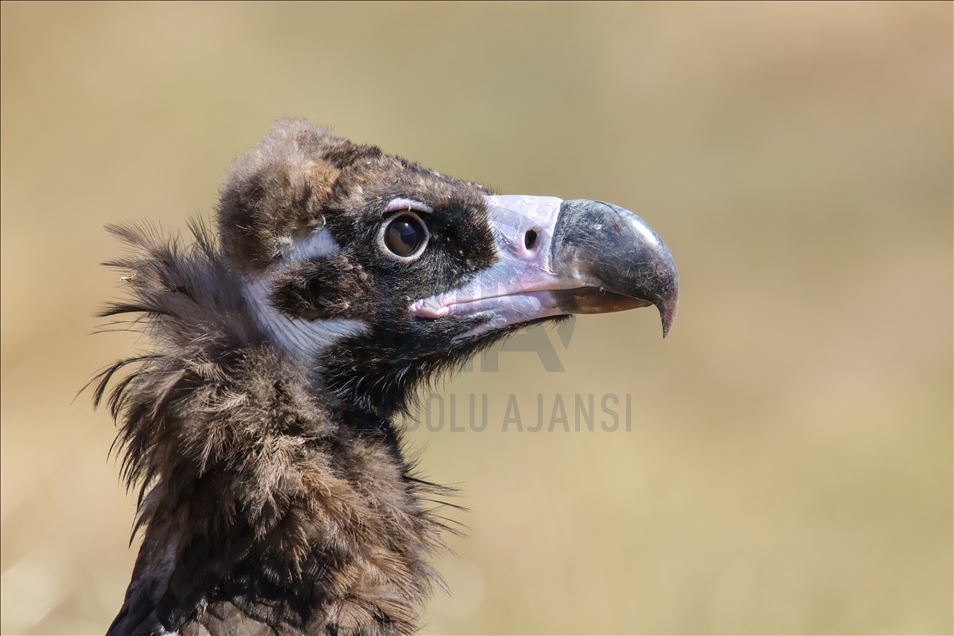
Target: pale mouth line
447, 309
548, 298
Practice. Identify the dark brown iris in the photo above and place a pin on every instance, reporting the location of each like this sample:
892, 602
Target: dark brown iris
405, 235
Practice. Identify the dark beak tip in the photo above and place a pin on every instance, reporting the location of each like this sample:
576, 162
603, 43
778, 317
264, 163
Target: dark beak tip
667, 313
668, 300
618, 251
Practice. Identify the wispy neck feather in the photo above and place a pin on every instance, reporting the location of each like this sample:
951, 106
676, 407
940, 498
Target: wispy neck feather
261, 512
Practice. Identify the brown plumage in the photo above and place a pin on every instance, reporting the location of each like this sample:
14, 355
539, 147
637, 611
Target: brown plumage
274, 493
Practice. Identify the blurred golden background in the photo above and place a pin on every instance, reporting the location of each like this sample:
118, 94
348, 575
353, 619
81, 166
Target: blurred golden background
789, 467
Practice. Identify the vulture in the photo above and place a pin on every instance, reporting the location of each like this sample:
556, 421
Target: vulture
275, 496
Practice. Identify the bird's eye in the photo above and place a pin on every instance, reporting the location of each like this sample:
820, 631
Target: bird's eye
404, 236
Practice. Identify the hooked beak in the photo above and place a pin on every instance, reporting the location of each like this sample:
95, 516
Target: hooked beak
559, 257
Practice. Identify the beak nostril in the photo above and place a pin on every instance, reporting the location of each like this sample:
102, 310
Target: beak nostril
530, 239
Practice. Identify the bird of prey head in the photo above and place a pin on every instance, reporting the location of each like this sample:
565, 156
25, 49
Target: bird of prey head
375, 270
275, 494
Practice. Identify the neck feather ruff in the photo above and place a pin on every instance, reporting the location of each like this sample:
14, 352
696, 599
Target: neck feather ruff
261, 509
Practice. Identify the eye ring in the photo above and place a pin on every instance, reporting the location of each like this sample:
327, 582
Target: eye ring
403, 236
